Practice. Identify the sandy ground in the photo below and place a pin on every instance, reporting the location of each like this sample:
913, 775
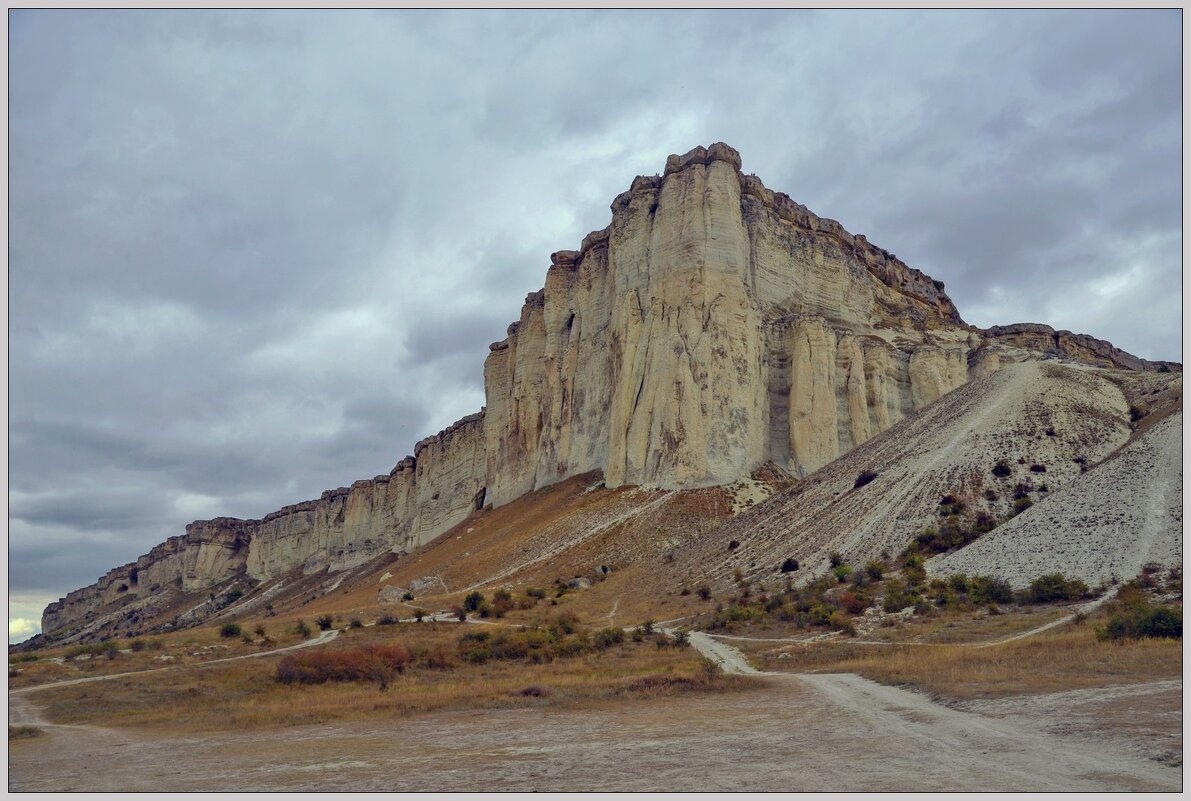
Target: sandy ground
792, 733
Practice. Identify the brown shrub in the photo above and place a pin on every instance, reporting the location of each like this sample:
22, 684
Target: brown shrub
378, 663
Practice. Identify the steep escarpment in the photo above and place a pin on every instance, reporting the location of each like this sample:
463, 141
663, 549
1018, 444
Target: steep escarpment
713, 327
1026, 434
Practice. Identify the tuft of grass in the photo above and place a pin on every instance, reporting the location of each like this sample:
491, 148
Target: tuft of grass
24, 732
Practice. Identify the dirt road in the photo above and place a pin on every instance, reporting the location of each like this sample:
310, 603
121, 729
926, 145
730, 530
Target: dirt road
791, 733
1025, 753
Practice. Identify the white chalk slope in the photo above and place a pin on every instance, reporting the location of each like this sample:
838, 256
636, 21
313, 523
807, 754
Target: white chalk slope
1109, 522
1046, 414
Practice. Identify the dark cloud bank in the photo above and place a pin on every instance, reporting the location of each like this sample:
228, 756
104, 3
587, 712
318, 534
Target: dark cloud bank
258, 255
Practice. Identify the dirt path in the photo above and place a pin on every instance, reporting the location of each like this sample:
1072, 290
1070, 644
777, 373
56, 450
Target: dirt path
1024, 752
323, 637
824, 732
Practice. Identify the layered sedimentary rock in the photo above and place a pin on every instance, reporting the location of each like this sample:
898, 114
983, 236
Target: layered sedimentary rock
713, 327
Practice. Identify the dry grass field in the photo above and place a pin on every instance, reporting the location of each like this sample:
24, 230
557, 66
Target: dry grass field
246, 695
1068, 657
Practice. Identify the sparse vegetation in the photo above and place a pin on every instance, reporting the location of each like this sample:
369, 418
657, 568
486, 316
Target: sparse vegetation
230, 630
703, 592
303, 629
24, 732
1002, 469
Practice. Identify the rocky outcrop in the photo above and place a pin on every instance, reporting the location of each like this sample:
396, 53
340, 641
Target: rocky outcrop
713, 327
1077, 347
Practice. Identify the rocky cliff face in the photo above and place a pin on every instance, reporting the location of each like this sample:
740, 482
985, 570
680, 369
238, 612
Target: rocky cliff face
713, 327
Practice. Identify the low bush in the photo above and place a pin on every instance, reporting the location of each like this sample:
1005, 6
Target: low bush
387, 620
1143, 620
789, 566
898, 596
989, 590
356, 623
703, 592
875, 570
559, 639
536, 593
379, 663
110, 649
1002, 469
1054, 587
841, 572
473, 601
606, 638
324, 622
303, 629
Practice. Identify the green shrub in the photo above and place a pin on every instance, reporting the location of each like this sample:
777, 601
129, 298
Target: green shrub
473, 601
875, 570
606, 638
230, 630
790, 565
841, 572
898, 596
1143, 620
408, 596
989, 590
460, 613
303, 629
356, 623
1055, 587
835, 559
535, 593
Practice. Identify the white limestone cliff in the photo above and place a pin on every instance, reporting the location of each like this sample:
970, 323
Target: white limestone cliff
713, 327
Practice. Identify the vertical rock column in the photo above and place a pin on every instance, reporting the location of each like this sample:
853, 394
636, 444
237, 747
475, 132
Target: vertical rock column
688, 402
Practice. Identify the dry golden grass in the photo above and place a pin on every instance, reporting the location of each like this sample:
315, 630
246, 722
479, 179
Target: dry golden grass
243, 694
1065, 658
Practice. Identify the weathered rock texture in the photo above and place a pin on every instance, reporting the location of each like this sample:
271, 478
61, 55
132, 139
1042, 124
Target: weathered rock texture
713, 327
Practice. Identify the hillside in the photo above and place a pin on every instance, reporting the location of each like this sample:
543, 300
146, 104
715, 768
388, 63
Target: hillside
1044, 422
714, 329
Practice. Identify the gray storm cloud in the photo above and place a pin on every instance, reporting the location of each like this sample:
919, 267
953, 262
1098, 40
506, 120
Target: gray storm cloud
255, 255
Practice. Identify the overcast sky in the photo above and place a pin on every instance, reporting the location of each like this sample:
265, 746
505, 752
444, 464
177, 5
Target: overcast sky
254, 256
